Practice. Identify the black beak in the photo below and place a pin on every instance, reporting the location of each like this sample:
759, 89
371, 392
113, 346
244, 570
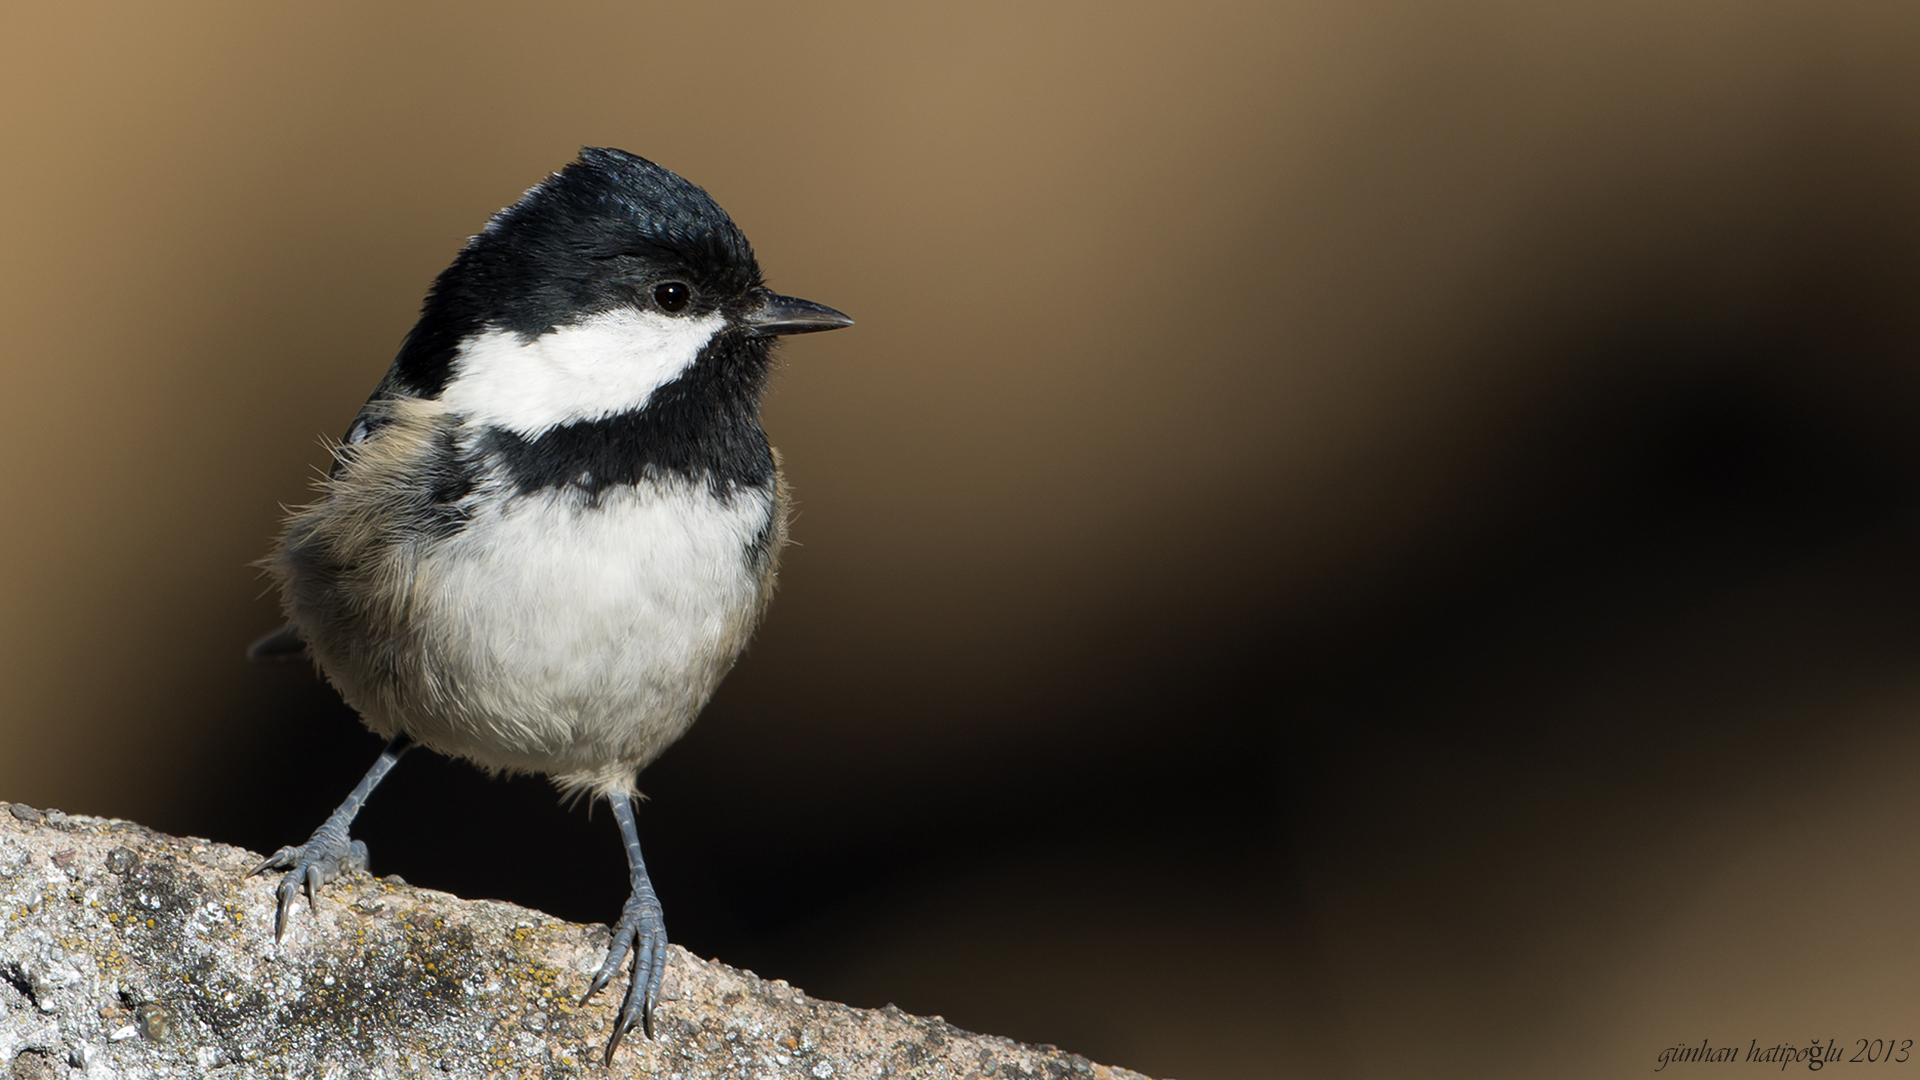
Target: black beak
792, 315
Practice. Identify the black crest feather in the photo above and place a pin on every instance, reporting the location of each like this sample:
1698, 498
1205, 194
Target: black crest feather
581, 242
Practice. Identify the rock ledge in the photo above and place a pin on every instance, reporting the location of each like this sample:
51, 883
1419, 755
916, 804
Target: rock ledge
128, 953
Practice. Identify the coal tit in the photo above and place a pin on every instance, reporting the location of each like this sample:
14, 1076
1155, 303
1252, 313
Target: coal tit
549, 533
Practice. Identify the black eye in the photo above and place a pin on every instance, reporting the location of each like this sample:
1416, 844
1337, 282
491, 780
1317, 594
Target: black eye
671, 295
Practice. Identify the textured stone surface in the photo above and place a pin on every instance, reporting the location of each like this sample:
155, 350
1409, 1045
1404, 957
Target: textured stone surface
128, 953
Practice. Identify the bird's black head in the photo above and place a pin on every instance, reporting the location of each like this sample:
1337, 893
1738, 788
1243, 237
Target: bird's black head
611, 231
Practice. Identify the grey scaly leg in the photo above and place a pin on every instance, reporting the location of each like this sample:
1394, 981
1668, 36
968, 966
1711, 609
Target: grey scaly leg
640, 924
328, 853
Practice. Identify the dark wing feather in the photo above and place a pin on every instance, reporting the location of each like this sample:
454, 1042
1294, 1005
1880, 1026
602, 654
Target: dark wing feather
283, 644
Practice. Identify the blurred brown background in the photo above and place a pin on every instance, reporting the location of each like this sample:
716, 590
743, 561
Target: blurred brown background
1351, 538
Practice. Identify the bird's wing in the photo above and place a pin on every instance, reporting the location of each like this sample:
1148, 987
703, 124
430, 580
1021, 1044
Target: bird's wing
283, 644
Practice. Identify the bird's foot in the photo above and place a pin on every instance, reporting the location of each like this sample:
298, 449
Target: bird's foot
326, 855
641, 930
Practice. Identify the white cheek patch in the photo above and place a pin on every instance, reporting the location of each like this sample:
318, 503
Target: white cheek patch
606, 365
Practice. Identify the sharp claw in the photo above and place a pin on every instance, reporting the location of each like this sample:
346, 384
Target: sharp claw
599, 983
641, 996
282, 910
622, 1024
657, 972
278, 858
614, 1043
616, 952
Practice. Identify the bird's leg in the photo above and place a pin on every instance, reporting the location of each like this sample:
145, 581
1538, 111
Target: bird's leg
641, 928
328, 853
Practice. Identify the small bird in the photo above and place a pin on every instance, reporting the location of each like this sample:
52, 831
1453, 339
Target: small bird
551, 530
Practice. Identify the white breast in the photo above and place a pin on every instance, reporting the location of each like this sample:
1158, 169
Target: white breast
586, 637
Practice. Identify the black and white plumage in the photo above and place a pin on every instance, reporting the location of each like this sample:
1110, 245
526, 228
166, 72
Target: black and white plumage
555, 524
